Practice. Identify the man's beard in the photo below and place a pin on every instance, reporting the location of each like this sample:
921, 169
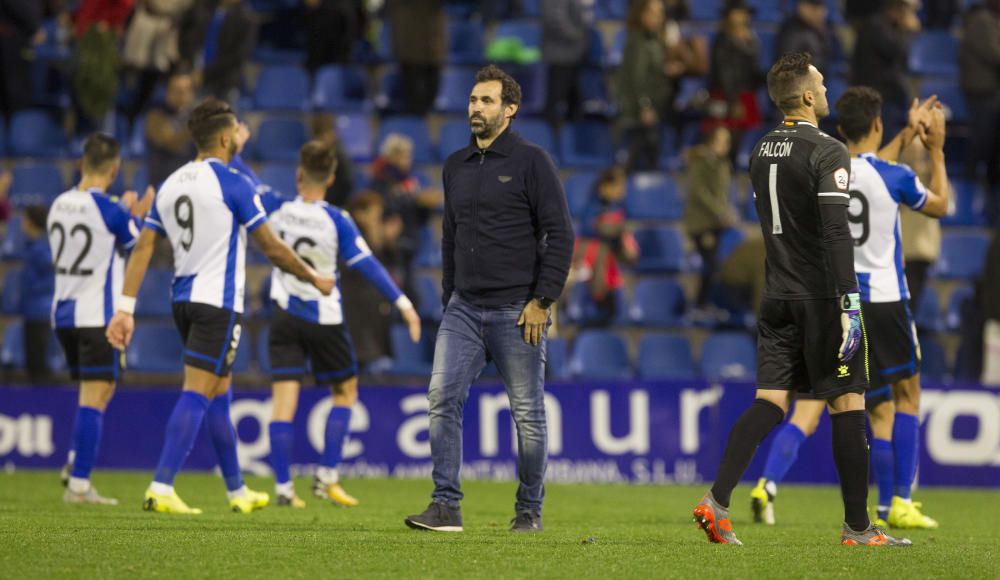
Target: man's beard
487, 128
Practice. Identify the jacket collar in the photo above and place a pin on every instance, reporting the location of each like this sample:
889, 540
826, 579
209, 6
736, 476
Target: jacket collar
504, 144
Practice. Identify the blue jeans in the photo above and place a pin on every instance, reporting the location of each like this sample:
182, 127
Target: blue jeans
470, 335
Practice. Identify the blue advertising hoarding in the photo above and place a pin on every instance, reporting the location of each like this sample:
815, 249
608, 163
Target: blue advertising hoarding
639, 432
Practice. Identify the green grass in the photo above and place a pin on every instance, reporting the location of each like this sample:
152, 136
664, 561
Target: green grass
637, 531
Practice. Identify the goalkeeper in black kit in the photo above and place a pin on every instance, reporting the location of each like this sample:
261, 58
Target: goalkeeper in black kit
810, 332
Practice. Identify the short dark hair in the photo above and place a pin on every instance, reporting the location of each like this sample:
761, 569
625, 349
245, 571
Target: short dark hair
99, 150
857, 109
787, 79
510, 91
207, 119
317, 161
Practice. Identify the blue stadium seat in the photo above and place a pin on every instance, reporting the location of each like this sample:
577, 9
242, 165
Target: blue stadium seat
579, 186
36, 134
428, 298
949, 93
533, 80
280, 139
580, 307
281, 88
657, 302
341, 89
729, 240
599, 354
531, 8
455, 135
556, 359
611, 9
409, 358
389, 98
933, 360
12, 350
661, 249
595, 49
934, 52
970, 204
429, 250
653, 195
767, 42
528, 31
665, 356
538, 132
728, 356
453, 92
155, 297
927, 314
10, 294
962, 255
594, 93
709, 10
12, 245
280, 176
35, 184
156, 347
959, 296
413, 127
465, 43
588, 144
354, 130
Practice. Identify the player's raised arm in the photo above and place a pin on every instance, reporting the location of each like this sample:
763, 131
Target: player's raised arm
939, 193
917, 122
279, 254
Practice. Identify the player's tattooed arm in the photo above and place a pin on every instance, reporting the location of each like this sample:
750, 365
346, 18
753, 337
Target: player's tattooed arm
282, 256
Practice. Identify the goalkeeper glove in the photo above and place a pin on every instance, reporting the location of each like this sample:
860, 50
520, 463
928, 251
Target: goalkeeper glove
850, 324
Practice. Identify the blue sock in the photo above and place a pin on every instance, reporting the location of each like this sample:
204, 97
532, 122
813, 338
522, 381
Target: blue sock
336, 432
883, 462
220, 427
86, 440
906, 444
182, 429
281, 450
784, 451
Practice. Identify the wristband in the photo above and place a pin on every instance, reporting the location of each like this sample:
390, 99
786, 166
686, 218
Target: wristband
403, 303
126, 304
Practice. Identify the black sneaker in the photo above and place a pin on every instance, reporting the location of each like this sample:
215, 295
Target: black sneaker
527, 522
438, 518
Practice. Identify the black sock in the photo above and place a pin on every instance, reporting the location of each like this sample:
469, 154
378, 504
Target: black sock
850, 453
752, 426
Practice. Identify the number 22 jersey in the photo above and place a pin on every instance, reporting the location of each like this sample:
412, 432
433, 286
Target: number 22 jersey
206, 210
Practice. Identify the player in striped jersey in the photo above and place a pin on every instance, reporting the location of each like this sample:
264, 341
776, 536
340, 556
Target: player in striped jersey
89, 232
877, 189
308, 325
206, 210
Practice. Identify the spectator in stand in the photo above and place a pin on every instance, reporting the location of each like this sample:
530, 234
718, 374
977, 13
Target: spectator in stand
19, 20
644, 90
419, 46
332, 28
324, 129
806, 31
990, 300
37, 287
979, 60
168, 144
708, 210
403, 194
369, 314
921, 234
880, 58
735, 74
151, 49
603, 242
565, 40
216, 40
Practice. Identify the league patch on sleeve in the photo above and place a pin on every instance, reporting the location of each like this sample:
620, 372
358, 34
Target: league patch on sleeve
841, 177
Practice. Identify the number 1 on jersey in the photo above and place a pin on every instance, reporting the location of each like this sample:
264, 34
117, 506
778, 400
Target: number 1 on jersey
772, 185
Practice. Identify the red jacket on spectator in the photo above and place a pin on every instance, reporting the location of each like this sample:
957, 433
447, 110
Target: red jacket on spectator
114, 13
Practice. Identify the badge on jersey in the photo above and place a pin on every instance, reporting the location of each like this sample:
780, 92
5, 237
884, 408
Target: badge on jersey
841, 177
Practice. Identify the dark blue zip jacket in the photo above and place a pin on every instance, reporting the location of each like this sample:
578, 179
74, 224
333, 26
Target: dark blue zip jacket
507, 229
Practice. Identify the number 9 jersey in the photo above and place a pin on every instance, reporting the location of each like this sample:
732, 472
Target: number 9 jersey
88, 233
206, 210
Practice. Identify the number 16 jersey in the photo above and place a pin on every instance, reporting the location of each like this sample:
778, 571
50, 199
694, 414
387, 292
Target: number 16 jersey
206, 210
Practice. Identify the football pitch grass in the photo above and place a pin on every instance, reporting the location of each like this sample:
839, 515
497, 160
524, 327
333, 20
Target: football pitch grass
592, 531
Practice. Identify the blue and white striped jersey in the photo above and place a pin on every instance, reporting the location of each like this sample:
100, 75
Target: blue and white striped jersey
88, 233
877, 189
320, 234
206, 210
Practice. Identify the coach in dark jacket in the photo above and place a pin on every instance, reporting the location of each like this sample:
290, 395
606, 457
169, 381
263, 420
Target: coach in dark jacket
507, 245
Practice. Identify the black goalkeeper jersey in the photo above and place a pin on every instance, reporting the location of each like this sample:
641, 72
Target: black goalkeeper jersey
793, 169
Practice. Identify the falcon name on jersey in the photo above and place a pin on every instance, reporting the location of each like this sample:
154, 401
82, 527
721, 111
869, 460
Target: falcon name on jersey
877, 189
794, 168
206, 210
88, 233
319, 233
